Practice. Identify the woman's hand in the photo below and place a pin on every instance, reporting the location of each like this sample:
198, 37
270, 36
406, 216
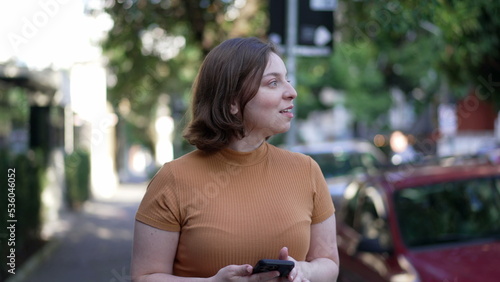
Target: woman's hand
322, 260
296, 275
242, 273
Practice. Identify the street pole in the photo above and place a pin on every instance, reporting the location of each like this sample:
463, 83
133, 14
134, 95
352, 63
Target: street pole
291, 42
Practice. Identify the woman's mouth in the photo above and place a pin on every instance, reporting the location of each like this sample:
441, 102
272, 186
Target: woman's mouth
287, 112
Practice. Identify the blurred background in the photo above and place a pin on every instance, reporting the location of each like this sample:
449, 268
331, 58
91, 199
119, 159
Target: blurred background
94, 93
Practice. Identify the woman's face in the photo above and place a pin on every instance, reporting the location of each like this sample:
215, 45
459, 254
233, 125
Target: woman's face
270, 111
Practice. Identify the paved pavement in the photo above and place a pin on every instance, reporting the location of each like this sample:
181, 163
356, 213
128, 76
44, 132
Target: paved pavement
98, 245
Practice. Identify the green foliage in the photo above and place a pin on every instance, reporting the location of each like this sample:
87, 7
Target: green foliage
351, 70
27, 172
366, 93
471, 31
420, 43
140, 44
77, 172
13, 106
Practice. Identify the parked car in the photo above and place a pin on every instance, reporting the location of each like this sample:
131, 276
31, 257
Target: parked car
492, 153
341, 160
422, 223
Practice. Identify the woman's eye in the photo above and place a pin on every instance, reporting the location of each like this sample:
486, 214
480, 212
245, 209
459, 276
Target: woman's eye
273, 83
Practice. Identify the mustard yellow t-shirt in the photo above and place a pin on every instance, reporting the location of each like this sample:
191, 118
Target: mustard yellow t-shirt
236, 208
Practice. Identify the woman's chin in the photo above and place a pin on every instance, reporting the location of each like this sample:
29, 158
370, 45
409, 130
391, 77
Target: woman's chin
283, 130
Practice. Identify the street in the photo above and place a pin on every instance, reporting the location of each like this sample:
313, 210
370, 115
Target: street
97, 246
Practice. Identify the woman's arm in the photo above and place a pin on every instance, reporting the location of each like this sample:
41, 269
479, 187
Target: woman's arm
322, 260
153, 253
323, 253
153, 257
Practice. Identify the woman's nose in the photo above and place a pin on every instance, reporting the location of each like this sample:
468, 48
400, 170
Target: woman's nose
290, 92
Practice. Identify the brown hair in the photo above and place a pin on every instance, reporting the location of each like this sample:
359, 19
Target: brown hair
230, 73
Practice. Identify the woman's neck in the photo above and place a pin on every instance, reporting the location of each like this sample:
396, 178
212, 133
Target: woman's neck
246, 144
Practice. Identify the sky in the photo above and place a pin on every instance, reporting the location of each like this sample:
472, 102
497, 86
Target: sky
49, 33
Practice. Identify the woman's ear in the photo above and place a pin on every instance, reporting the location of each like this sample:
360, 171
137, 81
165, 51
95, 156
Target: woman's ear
234, 108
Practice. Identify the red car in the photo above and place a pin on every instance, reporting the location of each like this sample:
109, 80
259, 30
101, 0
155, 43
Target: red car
422, 223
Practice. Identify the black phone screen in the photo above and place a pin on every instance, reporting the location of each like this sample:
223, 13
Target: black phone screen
283, 266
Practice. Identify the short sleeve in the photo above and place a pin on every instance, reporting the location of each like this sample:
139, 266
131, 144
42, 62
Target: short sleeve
159, 207
323, 204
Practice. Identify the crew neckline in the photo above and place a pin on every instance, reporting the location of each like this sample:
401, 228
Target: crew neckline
238, 158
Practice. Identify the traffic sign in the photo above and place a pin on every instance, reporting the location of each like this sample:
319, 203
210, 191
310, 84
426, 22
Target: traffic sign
314, 27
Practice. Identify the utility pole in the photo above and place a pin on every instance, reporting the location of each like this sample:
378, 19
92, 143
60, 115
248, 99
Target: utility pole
291, 42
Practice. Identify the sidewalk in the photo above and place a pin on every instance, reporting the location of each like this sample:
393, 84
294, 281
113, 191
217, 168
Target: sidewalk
97, 247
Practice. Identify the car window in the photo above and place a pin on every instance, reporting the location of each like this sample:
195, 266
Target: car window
351, 195
370, 219
340, 164
366, 218
449, 212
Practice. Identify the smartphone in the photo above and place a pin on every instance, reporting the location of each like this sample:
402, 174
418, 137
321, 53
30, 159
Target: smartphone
283, 266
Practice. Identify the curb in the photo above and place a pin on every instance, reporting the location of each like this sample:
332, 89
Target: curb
34, 261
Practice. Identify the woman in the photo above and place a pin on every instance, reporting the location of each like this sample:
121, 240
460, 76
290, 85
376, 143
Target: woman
211, 214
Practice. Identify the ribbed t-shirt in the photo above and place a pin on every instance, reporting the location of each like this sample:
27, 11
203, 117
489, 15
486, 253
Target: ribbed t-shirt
236, 207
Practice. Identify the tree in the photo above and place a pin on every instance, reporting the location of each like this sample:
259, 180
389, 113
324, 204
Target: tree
155, 48
420, 43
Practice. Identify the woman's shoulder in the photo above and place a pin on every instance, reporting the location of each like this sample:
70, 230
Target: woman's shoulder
182, 167
287, 154
189, 160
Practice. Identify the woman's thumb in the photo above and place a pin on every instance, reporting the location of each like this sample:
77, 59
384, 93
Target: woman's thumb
243, 270
283, 253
